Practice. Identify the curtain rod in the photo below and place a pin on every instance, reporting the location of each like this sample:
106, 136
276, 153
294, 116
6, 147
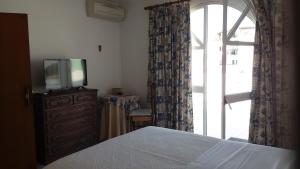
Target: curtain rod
164, 4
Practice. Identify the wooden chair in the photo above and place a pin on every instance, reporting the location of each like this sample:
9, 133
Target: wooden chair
139, 116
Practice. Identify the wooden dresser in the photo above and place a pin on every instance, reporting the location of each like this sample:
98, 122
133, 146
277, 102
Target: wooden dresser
65, 122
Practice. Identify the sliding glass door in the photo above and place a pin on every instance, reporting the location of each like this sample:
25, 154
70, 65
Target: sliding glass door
222, 67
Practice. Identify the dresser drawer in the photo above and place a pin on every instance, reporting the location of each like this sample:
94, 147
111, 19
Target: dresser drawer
68, 146
69, 126
55, 139
53, 102
71, 113
85, 97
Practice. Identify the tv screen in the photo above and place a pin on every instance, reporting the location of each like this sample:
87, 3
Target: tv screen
78, 72
65, 73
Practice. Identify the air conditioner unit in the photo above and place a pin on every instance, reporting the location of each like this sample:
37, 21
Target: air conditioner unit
105, 9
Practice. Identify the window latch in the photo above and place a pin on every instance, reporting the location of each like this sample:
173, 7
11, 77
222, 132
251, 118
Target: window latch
226, 102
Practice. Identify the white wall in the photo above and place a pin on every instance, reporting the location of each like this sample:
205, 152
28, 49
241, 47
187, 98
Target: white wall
134, 49
60, 28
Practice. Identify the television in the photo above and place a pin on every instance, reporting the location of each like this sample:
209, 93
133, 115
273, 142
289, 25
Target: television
65, 73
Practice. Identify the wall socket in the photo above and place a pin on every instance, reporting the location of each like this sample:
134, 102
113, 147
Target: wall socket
100, 48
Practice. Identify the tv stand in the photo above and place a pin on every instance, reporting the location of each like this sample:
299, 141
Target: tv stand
66, 121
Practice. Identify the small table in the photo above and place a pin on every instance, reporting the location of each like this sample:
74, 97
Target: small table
115, 111
140, 116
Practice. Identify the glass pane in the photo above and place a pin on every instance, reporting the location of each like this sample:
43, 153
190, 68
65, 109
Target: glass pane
245, 32
197, 26
237, 4
239, 69
237, 120
195, 43
214, 70
197, 67
198, 113
233, 15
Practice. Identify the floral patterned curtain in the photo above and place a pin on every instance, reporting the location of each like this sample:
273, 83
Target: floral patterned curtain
169, 70
271, 115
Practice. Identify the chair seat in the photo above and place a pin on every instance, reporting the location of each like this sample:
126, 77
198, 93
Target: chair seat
140, 116
141, 112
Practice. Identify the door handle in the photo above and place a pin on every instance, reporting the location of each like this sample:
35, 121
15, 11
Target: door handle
27, 95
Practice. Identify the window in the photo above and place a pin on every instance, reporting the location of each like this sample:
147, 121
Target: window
222, 67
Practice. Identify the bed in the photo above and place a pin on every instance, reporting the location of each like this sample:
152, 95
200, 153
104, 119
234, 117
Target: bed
160, 148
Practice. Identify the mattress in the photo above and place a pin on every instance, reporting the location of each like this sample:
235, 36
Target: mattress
160, 148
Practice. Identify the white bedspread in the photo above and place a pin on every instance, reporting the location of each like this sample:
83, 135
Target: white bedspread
159, 148
235, 155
